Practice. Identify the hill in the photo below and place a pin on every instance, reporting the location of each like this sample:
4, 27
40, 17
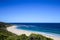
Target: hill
6, 35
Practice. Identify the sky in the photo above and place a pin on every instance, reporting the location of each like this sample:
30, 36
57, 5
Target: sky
40, 11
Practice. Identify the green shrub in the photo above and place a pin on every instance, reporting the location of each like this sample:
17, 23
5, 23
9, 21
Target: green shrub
22, 37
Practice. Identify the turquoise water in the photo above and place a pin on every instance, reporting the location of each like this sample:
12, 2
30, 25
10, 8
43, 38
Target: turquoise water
40, 27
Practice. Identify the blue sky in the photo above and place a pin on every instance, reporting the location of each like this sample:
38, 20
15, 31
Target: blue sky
30, 11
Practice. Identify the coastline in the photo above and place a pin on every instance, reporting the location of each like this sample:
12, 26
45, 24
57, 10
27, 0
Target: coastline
20, 31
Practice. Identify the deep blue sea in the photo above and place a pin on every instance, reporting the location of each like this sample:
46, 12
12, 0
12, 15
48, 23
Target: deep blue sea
40, 27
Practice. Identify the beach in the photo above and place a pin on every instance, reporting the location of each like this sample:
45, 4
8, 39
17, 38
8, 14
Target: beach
20, 31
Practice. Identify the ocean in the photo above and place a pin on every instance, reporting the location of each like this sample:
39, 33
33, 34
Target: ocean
39, 27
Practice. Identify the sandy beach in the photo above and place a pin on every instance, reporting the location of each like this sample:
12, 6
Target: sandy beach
19, 32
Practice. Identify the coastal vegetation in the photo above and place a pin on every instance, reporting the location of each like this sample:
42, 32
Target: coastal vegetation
6, 35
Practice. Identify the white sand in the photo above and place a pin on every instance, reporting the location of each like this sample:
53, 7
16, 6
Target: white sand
19, 32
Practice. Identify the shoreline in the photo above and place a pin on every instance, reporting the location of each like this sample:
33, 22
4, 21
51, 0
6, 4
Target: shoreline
20, 31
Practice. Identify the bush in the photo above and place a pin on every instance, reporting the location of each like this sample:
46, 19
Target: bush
22, 37
38, 37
